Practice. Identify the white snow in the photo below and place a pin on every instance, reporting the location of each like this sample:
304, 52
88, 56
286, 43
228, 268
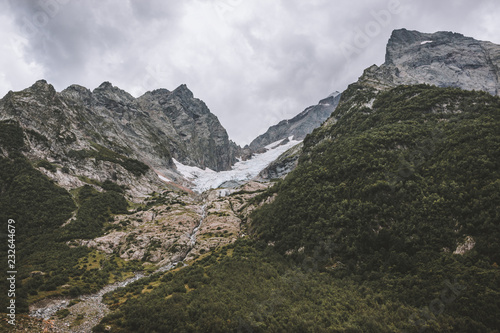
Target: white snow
165, 179
426, 42
242, 170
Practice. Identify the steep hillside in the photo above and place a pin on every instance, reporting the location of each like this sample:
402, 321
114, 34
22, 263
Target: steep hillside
397, 187
196, 136
410, 146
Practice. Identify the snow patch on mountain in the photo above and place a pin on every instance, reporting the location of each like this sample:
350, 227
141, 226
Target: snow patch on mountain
163, 178
244, 170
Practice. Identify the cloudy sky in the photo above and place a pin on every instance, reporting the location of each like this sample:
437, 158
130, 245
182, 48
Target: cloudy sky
253, 62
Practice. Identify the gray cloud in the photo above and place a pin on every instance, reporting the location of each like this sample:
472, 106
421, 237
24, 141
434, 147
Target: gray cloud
253, 62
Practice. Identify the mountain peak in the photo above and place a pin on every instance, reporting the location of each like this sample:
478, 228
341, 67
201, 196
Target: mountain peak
107, 91
183, 91
443, 58
160, 91
404, 36
78, 92
43, 88
78, 88
41, 84
105, 85
403, 40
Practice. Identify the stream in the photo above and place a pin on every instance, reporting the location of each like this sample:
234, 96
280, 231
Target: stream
192, 237
91, 305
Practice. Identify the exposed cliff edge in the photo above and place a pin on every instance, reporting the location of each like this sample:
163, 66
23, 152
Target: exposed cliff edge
444, 59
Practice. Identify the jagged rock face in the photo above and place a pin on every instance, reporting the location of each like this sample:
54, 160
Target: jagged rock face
152, 129
299, 126
196, 135
444, 59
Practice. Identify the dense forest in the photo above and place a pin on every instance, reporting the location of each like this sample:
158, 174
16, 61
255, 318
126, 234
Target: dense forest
389, 223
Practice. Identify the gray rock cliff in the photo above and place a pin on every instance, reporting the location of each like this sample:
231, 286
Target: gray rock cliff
108, 134
444, 59
196, 135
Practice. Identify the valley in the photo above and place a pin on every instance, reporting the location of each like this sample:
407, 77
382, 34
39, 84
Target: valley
375, 210
166, 232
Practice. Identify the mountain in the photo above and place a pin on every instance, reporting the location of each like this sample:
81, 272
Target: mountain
444, 59
300, 125
196, 136
108, 134
389, 222
92, 237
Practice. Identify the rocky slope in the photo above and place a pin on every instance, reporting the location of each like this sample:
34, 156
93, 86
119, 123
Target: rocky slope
196, 136
168, 230
444, 59
300, 125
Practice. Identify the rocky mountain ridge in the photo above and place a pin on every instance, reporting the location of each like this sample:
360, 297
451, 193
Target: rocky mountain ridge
108, 134
300, 125
444, 59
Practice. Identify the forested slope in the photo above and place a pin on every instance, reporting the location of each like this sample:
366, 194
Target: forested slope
390, 223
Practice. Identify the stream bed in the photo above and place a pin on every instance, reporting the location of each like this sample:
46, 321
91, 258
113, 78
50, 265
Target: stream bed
91, 307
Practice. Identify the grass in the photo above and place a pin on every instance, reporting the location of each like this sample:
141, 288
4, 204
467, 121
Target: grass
78, 320
89, 180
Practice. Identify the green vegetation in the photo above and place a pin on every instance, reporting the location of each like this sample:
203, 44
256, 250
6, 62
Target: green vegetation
37, 137
11, 136
400, 178
46, 165
46, 265
95, 208
360, 237
62, 313
249, 290
101, 153
108, 185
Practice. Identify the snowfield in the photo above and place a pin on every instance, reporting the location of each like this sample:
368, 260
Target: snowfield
165, 179
241, 171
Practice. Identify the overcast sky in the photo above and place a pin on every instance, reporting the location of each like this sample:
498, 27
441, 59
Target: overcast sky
253, 62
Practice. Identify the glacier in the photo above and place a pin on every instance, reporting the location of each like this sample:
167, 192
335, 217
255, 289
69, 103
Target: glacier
205, 179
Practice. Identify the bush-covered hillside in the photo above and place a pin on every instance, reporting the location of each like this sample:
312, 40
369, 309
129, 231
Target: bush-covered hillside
417, 172
368, 222
46, 265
